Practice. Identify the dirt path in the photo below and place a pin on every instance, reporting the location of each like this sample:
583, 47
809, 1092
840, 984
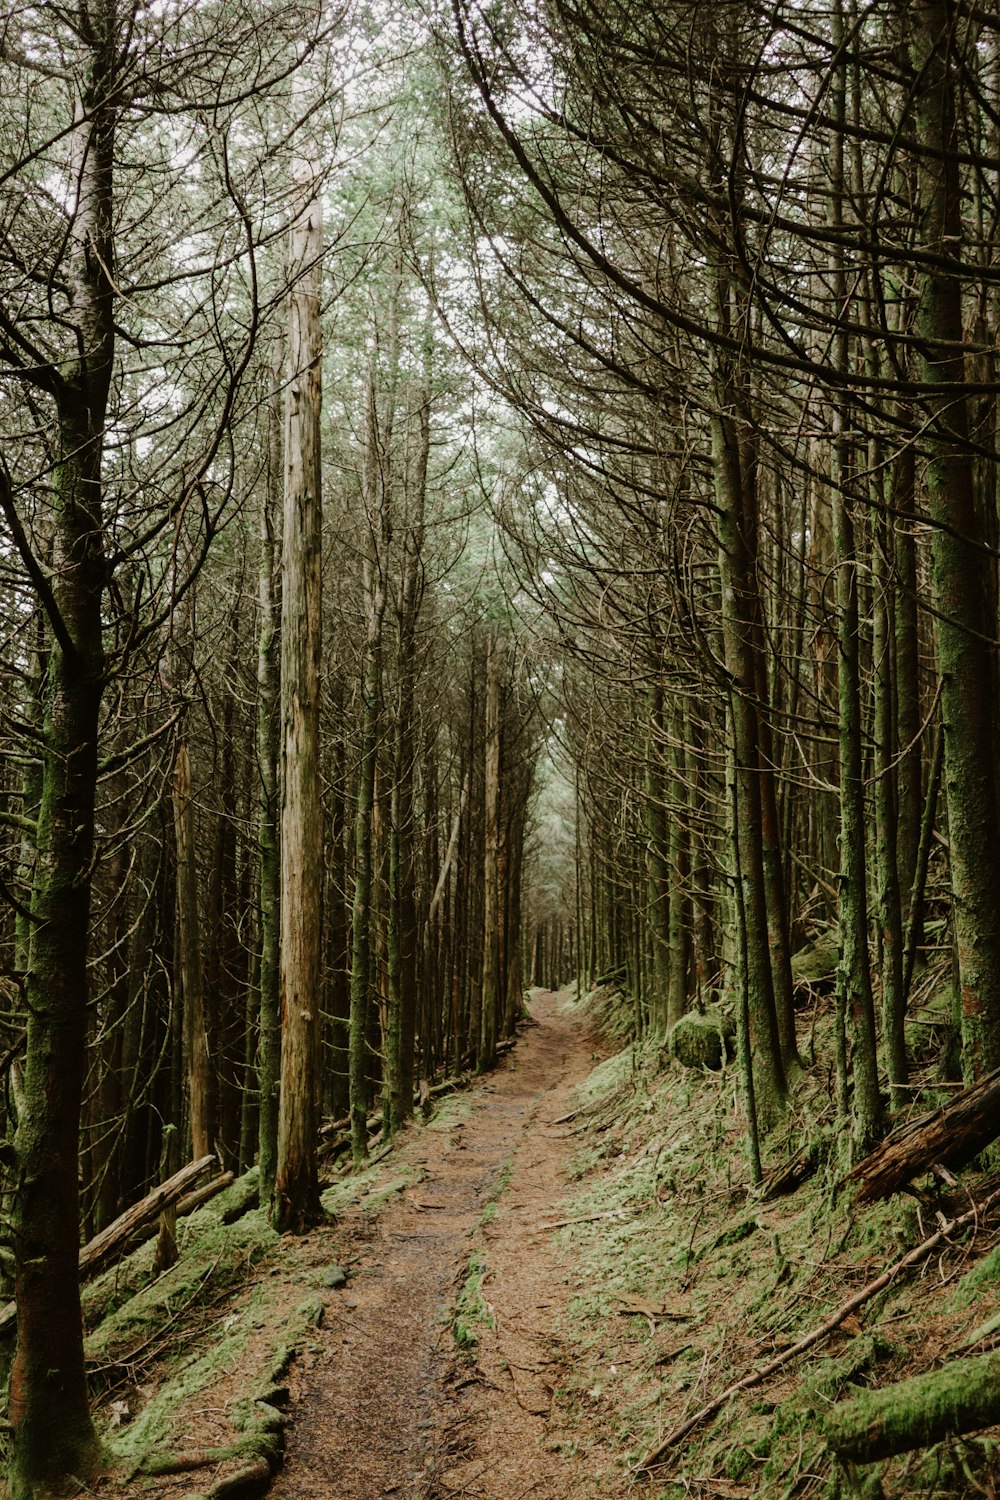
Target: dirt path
384, 1403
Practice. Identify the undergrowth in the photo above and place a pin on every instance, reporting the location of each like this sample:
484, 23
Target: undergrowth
686, 1279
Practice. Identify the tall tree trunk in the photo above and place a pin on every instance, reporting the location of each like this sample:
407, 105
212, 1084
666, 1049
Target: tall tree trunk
490, 992
961, 573
196, 1052
854, 981
738, 589
657, 866
269, 876
296, 1194
54, 1437
403, 952
377, 504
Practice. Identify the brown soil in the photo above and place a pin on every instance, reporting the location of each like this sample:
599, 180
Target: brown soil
384, 1404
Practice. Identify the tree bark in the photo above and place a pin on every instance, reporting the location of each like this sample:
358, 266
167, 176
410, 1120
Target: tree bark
269, 878
196, 1054
490, 991
54, 1436
960, 570
296, 1194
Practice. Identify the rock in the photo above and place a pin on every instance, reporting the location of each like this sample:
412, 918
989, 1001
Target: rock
698, 1040
335, 1278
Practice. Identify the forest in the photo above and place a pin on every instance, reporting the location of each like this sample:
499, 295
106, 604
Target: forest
500, 565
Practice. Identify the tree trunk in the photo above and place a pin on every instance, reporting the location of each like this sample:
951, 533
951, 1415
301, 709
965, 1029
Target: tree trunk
196, 1055
377, 505
54, 1437
490, 993
738, 612
961, 575
296, 1199
269, 877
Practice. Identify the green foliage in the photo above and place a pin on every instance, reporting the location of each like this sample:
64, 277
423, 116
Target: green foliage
471, 1312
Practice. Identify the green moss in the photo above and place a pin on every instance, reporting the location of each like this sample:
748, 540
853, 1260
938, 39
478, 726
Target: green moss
963, 1397
207, 1226
703, 1040
982, 1277
213, 1256
471, 1312
817, 962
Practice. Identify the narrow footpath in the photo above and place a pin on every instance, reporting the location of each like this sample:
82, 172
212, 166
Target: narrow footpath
385, 1402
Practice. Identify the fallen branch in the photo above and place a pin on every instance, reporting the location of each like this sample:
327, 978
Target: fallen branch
817, 1335
204, 1194
950, 1137
612, 1213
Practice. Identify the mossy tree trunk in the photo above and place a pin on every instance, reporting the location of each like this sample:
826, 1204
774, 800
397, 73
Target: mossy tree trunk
739, 603
961, 573
377, 499
855, 997
196, 1050
54, 1437
402, 932
657, 868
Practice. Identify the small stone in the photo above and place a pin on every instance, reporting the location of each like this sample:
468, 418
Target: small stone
335, 1278
350, 1302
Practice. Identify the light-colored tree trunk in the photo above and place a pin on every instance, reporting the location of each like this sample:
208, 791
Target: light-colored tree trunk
268, 695
296, 1196
196, 1051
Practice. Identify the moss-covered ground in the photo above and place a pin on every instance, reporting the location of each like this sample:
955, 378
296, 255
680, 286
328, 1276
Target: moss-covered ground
687, 1280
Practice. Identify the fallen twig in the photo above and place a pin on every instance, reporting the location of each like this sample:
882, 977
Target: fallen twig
611, 1213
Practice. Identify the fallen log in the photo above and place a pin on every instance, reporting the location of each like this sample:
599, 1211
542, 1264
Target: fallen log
963, 1397
950, 1136
203, 1194
817, 1335
137, 1220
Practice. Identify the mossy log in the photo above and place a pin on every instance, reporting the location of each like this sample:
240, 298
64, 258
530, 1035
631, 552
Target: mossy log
814, 968
963, 1397
204, 1194
950, 1137
120, 1235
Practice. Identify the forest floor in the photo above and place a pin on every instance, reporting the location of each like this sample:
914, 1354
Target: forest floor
438, 1371
536, 1286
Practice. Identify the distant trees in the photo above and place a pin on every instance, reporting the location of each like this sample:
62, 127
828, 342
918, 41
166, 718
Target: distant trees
751, 343
145, 358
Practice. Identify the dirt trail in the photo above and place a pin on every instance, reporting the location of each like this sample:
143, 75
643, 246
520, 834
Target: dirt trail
383, 1404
